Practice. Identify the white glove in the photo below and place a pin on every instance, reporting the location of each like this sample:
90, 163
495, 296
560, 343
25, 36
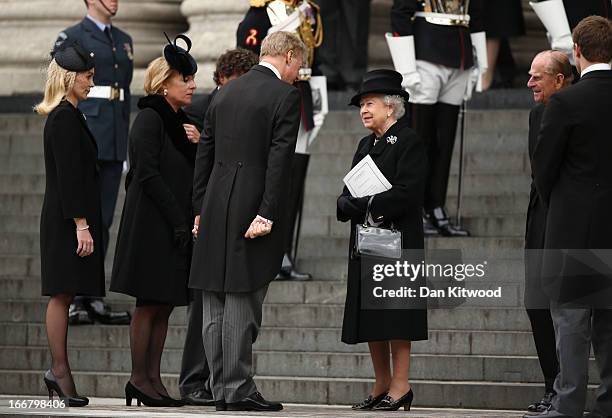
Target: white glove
475, 79
553, 17
404, 60
479, 43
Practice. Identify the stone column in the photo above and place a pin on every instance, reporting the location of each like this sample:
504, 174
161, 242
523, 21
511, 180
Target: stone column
212, 28
29, 28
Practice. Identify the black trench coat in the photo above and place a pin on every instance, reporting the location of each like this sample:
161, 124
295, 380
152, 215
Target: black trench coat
242, 170
72, 190
148, 262
404, 165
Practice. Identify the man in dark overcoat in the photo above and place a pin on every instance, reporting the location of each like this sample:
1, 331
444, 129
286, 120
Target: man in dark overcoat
573, 176
107, 110
550, 72
240, 184
194, 379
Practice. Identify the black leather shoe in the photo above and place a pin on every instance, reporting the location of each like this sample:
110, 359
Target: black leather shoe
102, 313
174, 402
543, 404
291, 274
390, 404
254, 402
439, 219
369, 402
132, 392
550, 412
593, 415
199, 398
77, 315
428, 229
220, 405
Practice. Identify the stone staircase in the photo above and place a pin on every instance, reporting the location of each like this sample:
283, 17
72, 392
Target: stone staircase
475, 357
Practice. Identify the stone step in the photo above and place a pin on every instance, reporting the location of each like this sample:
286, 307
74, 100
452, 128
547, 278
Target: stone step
477, 162
490, 184
304, 339
21, 123
310, 364
313, 315
314, 291
334, 391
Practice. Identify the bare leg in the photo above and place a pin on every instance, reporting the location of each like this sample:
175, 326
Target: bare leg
379, 351
56, 321
400, 352
140, 337
156, 348
492, 52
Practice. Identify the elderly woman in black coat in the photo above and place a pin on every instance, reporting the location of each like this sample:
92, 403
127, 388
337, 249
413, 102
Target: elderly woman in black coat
154, 244
70, 224
400, 156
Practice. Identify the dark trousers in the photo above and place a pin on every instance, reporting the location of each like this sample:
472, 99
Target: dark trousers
299, 167
110, 179
544, 337
194, 367
437, 126
343, 56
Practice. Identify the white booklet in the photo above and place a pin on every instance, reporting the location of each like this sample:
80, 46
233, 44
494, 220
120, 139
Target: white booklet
365, 179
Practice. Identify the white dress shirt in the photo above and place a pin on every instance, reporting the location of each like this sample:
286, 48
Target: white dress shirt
272, 67
595, 67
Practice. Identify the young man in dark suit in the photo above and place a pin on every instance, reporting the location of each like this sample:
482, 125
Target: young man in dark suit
573, 177
107, 110
240, 184
550, 72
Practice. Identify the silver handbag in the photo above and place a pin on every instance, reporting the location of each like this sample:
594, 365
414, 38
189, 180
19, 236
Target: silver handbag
374, 241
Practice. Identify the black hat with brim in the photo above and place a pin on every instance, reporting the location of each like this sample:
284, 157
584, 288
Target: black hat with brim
387, 82
178, 58
72, 57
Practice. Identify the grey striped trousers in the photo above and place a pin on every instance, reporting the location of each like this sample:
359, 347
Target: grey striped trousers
231, 323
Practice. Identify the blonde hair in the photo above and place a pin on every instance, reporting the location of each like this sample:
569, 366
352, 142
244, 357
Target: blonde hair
59, 82
279, 43
158, 71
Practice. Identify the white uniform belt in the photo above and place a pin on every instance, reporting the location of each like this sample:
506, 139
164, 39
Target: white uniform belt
445, 19
106, 92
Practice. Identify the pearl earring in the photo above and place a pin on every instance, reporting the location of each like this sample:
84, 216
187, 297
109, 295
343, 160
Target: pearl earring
165, 92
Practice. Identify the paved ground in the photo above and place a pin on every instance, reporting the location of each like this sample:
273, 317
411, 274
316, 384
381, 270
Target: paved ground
107, 407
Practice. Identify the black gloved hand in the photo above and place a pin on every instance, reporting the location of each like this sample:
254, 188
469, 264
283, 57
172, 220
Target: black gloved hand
182, 236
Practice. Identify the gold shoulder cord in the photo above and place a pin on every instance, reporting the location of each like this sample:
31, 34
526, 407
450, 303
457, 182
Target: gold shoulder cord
312, 40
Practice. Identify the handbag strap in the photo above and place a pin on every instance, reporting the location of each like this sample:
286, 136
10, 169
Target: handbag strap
367, 215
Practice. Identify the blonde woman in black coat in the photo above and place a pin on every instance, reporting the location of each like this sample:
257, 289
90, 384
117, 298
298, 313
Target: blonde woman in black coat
400, 155
154, 244
70, 225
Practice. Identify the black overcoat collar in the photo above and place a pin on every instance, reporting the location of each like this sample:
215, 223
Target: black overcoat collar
385, 140
173, 124
83, 122
597, 74
264, 70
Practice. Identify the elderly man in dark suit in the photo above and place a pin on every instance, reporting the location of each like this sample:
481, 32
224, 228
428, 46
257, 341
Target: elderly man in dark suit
550, 72
573, 177
240, 184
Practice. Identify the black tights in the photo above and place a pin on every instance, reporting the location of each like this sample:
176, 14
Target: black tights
56, 321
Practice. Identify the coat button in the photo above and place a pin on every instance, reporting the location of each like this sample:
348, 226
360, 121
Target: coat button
239, 164
116, 66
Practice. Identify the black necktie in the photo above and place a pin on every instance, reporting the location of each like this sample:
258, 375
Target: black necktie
108, 34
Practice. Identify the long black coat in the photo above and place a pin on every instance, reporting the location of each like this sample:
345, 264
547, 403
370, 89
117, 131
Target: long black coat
404, 165
535, 225
72, 190
242, 166
573, 174
148, 262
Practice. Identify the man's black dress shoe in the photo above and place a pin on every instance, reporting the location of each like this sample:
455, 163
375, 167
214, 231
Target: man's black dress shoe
595, 415
102, 313
78, 315
428, 229
550, 412
220, 405
369, 402
254, 402
199, 398
291, 274
543, 404
439, 219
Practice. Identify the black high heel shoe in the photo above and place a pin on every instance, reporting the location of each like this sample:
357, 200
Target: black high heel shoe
53, 385
369, 402
390, 404
132, 392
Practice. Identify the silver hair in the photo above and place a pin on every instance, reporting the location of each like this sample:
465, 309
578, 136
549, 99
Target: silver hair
397, 103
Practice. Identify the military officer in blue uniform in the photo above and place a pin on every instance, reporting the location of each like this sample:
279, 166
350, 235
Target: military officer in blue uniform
107, 111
